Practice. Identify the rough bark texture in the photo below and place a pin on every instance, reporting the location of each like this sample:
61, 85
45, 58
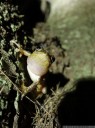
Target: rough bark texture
73, 22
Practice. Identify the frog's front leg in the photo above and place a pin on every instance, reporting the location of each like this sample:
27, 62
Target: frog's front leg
21, 50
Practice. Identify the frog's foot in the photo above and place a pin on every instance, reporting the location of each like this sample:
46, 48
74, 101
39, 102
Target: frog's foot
25, 90
40, 90
35, 88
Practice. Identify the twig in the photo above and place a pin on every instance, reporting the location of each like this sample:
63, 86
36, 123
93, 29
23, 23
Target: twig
1, 89
16, 86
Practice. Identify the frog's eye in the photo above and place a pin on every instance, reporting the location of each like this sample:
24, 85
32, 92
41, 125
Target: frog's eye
39, 48
52, 58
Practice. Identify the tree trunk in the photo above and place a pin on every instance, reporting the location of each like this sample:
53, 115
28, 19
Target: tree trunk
73, 21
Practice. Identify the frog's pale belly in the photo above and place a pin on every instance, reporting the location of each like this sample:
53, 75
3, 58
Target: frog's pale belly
33, 77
